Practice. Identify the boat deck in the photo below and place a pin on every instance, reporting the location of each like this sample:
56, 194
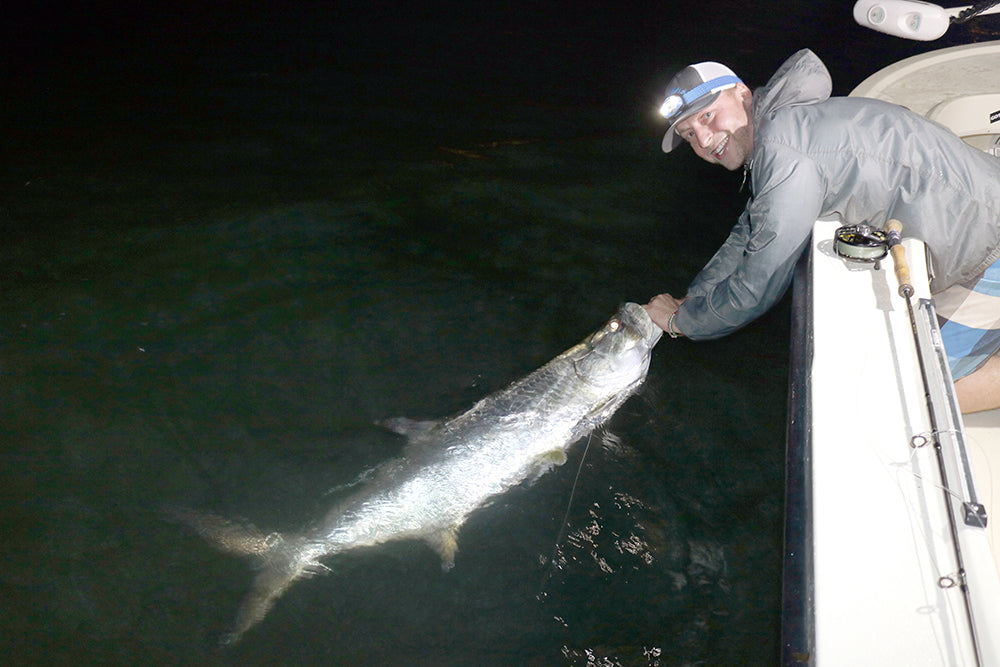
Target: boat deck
887, 560
876, 553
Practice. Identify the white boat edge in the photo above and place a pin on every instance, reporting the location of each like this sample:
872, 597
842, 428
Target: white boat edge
871, 573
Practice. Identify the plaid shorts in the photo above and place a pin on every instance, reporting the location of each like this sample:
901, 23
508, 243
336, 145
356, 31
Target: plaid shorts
969, 315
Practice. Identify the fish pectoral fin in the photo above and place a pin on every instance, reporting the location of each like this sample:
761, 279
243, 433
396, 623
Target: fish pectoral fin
544, 462
555, 457
312, 568
445, 543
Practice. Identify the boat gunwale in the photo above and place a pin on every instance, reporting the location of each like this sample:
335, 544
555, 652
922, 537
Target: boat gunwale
798, 613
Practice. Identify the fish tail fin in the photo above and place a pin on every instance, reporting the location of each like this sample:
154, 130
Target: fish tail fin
232, 537
268, 586
279, 562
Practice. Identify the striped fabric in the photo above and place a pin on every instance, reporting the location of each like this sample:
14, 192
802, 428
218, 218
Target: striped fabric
969, 315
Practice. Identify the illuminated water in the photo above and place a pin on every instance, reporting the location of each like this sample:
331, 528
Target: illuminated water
232, 241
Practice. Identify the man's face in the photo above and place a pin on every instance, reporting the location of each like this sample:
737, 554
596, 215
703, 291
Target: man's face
722, 132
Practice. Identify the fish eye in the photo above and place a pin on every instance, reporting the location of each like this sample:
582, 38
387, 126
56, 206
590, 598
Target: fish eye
615, 324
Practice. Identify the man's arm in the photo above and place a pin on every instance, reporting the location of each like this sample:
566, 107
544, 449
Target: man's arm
779, 219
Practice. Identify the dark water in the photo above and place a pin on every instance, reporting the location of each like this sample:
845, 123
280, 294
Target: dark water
235, 237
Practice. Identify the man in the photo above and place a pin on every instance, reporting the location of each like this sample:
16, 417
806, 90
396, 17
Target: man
807, 156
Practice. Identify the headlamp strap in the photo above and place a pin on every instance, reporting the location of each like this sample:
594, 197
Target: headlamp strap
678, 100
707, 87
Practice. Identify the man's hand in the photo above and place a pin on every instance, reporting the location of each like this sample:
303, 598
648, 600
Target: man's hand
660, 308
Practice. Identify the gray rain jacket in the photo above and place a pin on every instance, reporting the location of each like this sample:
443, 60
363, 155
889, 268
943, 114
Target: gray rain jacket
865, 160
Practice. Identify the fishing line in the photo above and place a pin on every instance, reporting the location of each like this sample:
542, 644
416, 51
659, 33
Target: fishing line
565, 521
921, 534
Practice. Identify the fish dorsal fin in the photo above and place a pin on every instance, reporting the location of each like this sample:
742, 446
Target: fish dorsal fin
411, 428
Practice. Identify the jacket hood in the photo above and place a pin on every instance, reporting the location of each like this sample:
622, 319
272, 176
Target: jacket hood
802, 79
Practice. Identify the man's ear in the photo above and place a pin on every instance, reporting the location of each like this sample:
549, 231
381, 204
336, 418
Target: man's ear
746, 96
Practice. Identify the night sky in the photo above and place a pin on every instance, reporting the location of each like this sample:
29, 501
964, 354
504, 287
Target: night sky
74, 68
113, 85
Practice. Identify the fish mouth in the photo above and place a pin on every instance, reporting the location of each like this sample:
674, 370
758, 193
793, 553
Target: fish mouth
619, 354
642, 324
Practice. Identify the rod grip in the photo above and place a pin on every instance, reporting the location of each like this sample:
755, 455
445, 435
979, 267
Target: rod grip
895, 229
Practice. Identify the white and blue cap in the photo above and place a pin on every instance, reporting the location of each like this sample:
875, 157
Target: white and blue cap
691, 90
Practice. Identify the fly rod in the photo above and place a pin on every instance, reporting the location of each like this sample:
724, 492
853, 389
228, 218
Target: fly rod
894, 242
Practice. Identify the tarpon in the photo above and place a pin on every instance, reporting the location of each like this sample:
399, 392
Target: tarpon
453, 466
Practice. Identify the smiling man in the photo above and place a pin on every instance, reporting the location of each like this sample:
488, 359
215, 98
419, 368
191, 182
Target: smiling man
721, 132
808, 155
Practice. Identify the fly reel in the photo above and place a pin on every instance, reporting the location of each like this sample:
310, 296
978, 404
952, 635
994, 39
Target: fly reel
861, 243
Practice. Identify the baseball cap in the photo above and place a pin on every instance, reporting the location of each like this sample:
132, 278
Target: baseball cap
691, 90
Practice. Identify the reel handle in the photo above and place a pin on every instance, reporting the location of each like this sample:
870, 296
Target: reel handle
895, 231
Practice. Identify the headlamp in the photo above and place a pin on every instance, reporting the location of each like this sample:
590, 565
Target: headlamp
671, 106
679, 100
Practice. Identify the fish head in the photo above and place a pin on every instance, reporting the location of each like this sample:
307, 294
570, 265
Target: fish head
616, 356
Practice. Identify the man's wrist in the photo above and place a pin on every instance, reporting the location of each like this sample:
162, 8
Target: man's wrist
671, 329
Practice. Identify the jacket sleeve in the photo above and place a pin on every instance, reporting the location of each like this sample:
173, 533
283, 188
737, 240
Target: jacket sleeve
754, 267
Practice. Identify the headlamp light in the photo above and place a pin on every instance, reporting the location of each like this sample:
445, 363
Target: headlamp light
671, 106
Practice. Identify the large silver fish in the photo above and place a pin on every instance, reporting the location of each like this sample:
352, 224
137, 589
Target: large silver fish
453, 466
